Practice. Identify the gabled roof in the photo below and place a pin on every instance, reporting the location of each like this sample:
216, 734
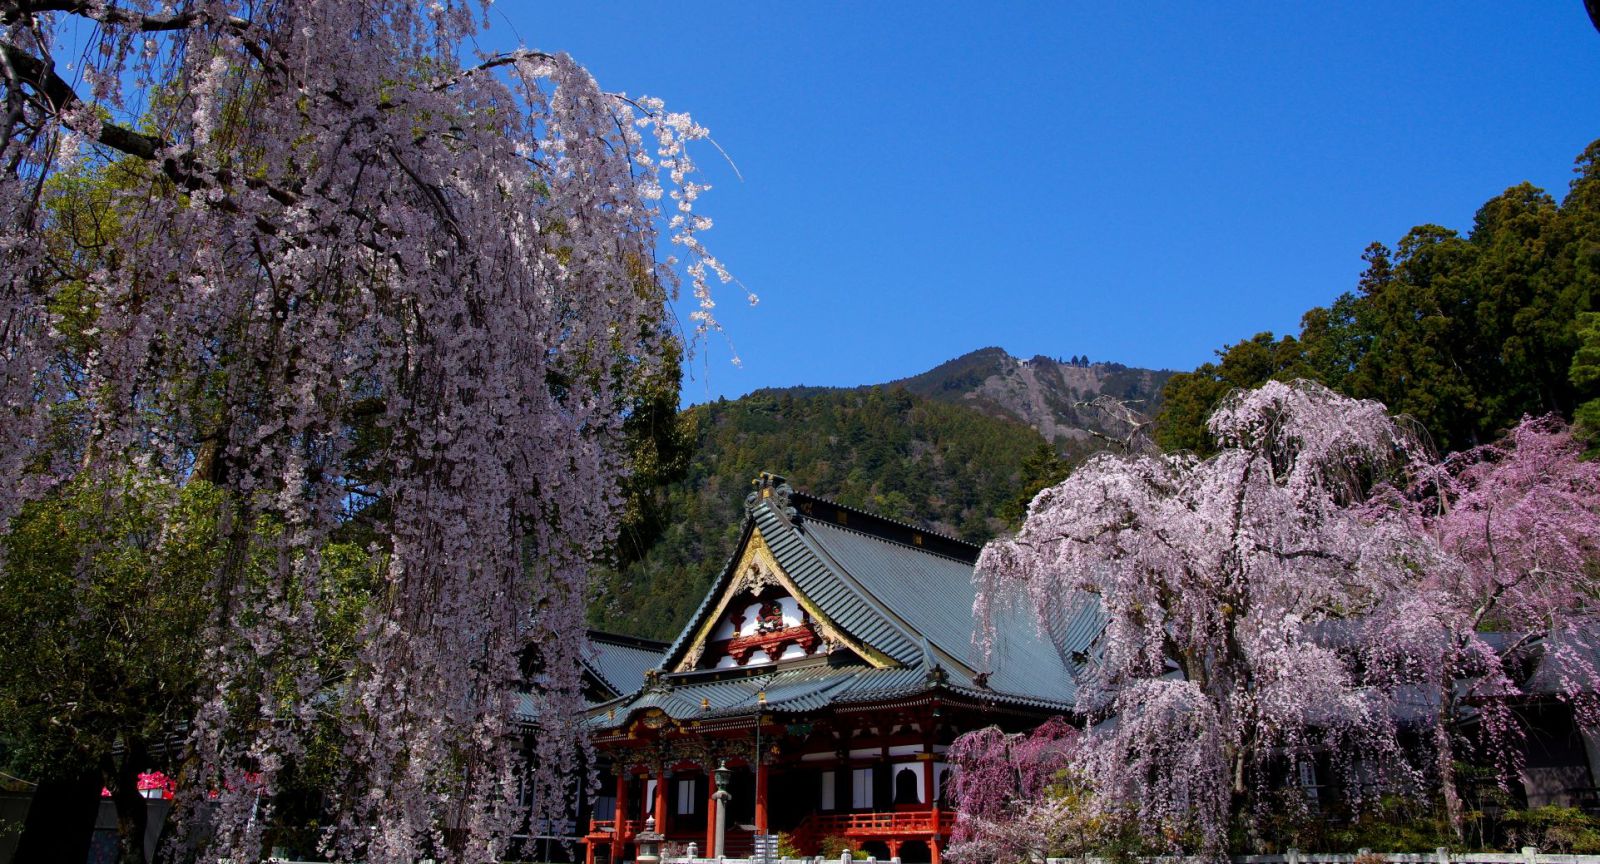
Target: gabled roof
899, 597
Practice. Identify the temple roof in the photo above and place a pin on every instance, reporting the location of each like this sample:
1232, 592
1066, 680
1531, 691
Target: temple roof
897, 599
619, 662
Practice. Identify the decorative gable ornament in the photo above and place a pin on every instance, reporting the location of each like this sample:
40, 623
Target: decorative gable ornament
772, 637
774, 489
746, 626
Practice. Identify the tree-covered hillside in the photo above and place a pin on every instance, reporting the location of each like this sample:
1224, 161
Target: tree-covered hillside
942, 466
1465, 334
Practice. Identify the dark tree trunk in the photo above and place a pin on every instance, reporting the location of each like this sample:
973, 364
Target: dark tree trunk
61, 818
132, 809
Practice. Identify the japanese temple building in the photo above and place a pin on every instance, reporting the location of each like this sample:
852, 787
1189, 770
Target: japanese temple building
829, 668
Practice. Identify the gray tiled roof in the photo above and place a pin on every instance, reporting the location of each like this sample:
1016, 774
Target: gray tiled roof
1566, 663
933, 595
834, 588
803, 687
621, 661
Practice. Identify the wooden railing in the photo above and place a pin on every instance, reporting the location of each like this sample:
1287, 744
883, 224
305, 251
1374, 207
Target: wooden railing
630, 827
846, 824
855, 826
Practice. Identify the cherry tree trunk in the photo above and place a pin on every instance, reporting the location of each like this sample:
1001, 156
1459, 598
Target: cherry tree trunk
1444, 749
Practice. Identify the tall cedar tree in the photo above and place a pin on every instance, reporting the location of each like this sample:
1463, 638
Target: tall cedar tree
1464, 334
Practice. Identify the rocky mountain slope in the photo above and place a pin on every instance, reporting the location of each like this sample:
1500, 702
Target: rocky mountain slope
1046, 393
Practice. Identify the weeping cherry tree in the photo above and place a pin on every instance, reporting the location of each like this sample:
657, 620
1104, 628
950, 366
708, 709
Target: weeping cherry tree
1520, 520
1224, 585
358, 271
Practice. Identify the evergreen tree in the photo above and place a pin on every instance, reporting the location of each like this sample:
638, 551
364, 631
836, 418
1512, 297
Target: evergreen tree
1465, 335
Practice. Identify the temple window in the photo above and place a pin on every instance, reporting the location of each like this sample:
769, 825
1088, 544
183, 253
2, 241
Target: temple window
861, 789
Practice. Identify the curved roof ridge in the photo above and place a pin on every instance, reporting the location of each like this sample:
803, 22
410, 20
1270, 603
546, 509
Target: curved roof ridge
871, 536
976, 547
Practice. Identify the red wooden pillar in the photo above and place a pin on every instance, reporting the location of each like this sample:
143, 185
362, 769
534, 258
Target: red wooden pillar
761, 796
927, 781
711, 815
661, 799
617, 832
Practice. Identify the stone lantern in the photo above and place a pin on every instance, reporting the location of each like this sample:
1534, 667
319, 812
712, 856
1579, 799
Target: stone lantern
649, 841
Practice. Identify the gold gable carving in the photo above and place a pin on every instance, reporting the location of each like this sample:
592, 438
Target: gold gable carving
756, 571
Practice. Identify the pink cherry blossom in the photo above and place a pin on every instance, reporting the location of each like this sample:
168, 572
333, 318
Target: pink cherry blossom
1223, 585
333, 211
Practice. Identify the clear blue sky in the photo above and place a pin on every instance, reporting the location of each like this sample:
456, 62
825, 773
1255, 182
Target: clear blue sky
1138, 182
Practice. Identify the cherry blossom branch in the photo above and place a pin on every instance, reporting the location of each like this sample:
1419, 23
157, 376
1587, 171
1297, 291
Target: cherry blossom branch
110, 14
1120, 410
495, 61
23, 68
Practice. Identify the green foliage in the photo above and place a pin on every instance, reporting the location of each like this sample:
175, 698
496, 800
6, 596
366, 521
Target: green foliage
1079, 833
1401, 824
1464, 334
1396, 824
102, 599
1585, 376
1560, 830
833, 846
659, 442
941, 466
1042, 468
107, 594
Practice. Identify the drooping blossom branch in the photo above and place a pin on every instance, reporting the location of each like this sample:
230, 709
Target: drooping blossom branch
355, 280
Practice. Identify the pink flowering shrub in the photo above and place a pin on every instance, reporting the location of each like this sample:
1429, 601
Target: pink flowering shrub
1520, 520
1012, 792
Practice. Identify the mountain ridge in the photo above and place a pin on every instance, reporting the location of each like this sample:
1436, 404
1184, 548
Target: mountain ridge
951, 450
1046, 393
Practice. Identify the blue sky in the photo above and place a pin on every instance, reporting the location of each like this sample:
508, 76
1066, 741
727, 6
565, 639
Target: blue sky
1135, 182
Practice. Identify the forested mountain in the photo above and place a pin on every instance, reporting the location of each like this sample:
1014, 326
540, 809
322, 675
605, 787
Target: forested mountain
1466, 334
943, 467
958, 450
